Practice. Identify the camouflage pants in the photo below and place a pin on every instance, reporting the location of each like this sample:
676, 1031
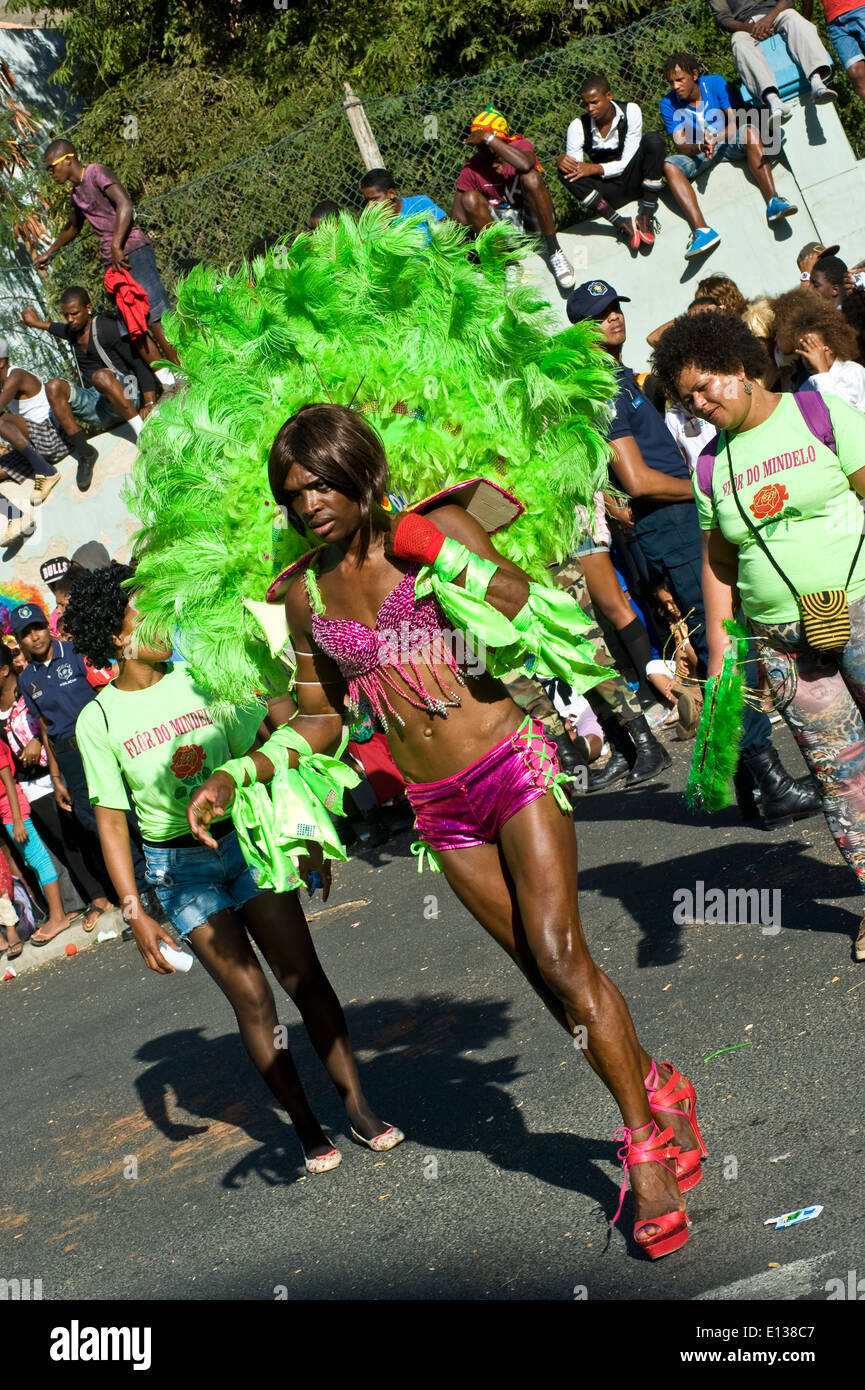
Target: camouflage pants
611, 697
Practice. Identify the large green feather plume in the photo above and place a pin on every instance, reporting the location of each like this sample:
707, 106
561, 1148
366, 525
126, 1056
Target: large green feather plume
716, 747
459, 379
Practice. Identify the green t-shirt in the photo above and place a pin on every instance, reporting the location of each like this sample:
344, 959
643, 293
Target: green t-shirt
795, 492
163, 742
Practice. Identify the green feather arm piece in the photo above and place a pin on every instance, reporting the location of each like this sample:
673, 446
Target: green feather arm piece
716, 749
460, 379
276, 822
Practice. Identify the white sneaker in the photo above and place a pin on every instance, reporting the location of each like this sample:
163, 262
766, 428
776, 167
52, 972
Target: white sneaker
562, 269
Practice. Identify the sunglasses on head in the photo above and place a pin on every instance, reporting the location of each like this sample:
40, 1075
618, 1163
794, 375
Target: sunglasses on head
53, 162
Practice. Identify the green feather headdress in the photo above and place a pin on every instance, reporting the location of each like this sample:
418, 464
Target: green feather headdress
459, 379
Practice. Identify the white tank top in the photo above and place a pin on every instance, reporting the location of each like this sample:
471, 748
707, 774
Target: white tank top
34, 408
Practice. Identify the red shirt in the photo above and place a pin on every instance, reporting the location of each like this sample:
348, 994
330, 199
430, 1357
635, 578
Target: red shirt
497, 186
834, 9
23, 804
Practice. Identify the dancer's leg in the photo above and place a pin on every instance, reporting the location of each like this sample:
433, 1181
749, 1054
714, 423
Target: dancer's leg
278, 927
223, 948
540, 856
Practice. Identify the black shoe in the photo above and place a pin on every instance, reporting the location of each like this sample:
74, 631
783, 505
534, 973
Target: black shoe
647, 225
616, 768
652, 757
626, 231
782, 800
86, 463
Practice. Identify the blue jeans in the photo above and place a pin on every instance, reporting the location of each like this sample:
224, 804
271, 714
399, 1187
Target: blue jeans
847, 34
142, 267
93, 408
194, 882
724, 149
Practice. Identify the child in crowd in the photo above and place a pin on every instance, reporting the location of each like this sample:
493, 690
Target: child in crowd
15, 812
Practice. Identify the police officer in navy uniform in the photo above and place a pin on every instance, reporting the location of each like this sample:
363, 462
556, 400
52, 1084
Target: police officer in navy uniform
648, 465
56, 685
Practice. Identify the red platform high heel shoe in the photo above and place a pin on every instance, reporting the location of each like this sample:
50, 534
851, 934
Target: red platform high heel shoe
665, 1097
673, 1225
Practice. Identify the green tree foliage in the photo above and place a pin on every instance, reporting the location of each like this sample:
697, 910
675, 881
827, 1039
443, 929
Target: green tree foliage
21, 206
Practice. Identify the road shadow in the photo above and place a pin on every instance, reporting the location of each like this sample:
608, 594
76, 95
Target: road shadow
648, 891
415, 1072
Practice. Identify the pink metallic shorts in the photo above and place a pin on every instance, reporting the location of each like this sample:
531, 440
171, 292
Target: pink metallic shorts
471, 807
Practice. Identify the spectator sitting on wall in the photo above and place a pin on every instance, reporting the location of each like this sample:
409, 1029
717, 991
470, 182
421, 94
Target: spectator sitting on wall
827, 278
379, 186
327, 208
117, 385
810, 254
751, 21
846, 24
698, 112
27, 428
99, 196
609, 161
502, 173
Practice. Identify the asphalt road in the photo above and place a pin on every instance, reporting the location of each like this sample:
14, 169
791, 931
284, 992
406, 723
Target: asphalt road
507, 1179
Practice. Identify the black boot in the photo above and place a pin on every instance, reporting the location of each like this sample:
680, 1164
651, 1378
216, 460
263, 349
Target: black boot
620, 759
652, 756
573, 763
782, 800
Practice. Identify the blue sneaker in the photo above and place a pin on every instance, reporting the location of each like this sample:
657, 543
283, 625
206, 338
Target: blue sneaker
776, 208
701, 242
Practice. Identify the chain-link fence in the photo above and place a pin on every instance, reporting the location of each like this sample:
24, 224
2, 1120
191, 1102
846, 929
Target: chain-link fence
215, 218
39, 352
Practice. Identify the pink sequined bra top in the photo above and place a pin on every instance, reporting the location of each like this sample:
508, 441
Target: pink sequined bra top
373, 660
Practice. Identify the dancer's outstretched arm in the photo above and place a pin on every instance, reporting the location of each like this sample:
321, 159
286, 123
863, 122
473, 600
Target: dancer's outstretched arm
420, 538
319, 698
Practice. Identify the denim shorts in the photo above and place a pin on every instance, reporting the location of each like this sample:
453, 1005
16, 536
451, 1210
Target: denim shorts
142, 267
589, 546
194, 882
94, 409
724, 149
847, 34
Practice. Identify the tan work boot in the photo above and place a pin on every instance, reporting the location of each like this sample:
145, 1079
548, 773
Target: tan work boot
42, 488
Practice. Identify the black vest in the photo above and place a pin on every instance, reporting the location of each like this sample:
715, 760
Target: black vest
604, 156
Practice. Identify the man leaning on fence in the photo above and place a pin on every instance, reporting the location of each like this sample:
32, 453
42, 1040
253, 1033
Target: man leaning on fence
500, 177
609, 160
100, 197
749, 22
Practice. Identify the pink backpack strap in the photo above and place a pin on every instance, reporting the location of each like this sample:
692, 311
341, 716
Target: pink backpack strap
706, 467
815, 413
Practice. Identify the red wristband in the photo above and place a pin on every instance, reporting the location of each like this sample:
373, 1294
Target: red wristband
416, 538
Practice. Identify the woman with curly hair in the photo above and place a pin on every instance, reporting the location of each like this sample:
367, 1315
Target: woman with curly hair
153, 731
727, 293
824, 341
779, 507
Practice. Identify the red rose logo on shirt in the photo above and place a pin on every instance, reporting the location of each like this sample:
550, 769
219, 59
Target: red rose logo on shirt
769, 501
187, 761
